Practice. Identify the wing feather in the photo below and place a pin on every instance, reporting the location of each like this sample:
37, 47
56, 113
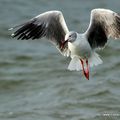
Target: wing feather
104, 23
50, 24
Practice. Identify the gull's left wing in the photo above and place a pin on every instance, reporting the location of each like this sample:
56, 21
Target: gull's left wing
50, 24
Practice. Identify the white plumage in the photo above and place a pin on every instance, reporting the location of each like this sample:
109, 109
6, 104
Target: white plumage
104, 23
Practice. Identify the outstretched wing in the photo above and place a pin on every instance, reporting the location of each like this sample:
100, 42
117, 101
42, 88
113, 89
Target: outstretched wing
104, 23
50, 24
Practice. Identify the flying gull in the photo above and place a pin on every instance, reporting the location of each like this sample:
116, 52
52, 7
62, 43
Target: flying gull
80, 47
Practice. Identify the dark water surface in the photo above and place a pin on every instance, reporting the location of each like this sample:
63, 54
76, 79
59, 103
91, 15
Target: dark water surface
34, 81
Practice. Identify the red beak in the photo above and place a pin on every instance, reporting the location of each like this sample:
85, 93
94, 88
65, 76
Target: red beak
63, 44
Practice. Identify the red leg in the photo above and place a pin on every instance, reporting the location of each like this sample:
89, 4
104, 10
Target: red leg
85, 72
82, 63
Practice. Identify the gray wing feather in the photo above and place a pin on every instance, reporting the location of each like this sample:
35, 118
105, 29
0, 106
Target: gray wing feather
50, 24
104, 23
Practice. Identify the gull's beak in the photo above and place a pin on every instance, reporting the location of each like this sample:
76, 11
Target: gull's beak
64, 43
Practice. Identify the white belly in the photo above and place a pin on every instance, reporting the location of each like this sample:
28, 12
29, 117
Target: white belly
80, 48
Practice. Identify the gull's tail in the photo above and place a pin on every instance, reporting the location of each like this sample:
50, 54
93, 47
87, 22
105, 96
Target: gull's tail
95, 60
75, 63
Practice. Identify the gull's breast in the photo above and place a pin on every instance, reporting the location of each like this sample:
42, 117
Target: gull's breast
81, 49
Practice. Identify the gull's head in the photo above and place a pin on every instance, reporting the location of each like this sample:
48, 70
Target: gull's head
71, 36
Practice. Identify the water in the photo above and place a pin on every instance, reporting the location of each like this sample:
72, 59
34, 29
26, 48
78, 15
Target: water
34, 81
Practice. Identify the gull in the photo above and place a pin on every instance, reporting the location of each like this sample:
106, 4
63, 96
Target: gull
81, 47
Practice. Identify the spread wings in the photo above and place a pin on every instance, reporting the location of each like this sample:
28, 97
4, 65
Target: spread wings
103, 24
50, 24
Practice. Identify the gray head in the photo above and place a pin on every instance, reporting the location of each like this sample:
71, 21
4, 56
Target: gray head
71, 36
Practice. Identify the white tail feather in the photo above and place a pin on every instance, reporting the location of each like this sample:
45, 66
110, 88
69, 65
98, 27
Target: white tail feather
76, 65
94, 60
